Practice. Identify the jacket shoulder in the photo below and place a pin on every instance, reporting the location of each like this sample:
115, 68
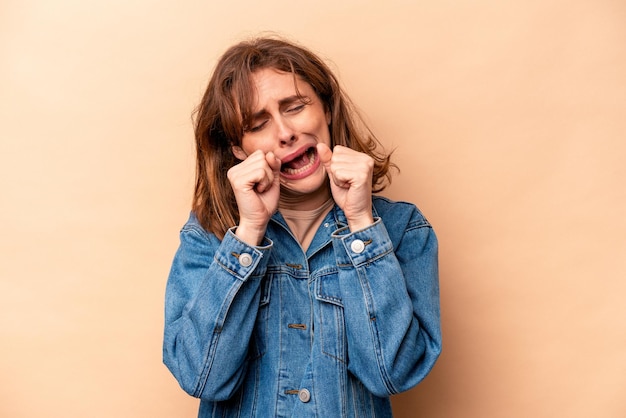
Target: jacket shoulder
193, 232
400, 213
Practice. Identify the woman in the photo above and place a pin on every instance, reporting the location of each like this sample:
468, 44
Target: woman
295, 292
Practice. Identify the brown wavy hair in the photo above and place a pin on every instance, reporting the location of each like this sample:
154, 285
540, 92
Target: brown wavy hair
226, 107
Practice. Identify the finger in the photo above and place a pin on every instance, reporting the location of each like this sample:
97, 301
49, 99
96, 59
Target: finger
265, 180
341, 154
252, 174
246, 178
271, 175
325, 154
341, 178
348, 163
327, 158
273, 162
272, 166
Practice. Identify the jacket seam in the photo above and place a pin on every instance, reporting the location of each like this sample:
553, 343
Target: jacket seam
217, 330
369, 300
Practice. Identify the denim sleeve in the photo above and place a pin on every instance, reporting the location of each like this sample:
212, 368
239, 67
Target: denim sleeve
211, 303
391, 304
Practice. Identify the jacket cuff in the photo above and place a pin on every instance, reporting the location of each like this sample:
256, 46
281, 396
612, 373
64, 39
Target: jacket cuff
362, 246
243, 260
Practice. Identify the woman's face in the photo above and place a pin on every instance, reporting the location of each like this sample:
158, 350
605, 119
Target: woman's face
289, 123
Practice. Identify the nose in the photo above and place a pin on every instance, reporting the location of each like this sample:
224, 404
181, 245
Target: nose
285, 131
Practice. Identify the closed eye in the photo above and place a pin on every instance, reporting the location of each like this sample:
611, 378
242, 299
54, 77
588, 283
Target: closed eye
296, 109
295, 104
256, 127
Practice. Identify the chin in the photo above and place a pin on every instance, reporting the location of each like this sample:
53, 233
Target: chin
311, 185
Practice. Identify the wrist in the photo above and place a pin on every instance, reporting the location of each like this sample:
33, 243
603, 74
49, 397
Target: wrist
251, 235
360, 222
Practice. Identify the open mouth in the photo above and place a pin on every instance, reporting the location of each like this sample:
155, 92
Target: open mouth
301, 163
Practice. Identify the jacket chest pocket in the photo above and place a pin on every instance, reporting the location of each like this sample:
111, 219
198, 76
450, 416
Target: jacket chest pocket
330, 326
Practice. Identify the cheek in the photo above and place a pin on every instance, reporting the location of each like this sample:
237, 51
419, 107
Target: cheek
259, 142
314, 124
324, 133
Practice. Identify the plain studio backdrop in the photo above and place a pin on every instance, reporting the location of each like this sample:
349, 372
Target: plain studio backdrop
508, 120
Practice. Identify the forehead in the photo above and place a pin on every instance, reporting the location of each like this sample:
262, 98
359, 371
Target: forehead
273, 85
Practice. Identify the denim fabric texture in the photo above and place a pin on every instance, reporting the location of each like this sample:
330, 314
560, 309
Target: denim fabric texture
270, 331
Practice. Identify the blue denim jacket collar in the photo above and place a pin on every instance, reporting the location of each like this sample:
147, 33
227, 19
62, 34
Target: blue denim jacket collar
336, 215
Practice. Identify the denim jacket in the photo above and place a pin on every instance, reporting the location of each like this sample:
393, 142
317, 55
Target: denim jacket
270, 331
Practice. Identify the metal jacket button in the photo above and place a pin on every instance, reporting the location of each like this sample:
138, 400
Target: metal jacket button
304, 395
245, 259
357, 246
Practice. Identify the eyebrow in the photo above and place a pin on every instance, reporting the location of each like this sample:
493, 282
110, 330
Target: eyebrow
281, 103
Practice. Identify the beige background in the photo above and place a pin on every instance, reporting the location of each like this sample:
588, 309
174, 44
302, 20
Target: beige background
508, 119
